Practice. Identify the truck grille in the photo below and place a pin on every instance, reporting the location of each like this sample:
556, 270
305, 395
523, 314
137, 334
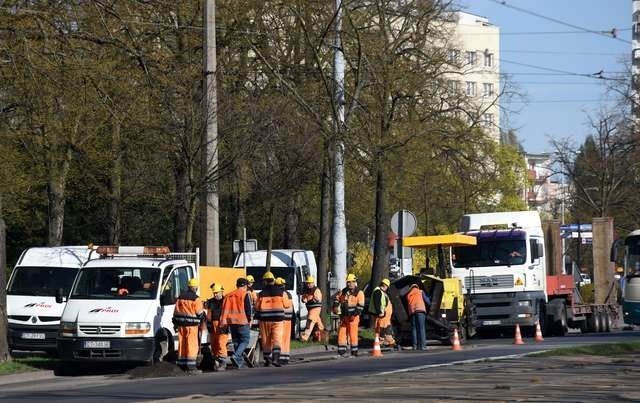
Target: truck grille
104, 329
485, 282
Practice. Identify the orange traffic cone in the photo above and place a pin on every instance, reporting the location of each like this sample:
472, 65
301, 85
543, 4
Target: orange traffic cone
538, 333
376, 352
518, 338
455, 344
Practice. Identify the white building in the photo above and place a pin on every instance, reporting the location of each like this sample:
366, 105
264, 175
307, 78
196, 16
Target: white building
543, 193
474, 51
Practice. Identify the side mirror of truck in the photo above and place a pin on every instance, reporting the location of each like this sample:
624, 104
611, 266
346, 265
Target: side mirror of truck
59, 296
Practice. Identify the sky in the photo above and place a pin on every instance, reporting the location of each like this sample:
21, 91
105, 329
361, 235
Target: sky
557, 103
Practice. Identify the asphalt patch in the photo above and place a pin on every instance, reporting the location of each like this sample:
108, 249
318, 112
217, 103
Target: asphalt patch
157, 370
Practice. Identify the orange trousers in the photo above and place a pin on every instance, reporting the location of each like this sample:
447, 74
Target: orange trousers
188, 344
313, 320
383, 326
348, 328
218, 340
286, 341
270, 338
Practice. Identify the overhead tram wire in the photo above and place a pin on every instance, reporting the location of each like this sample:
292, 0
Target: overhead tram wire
597, 76
608, 34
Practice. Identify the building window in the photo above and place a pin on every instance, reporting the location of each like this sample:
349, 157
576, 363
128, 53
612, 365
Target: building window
470, 58
487, 120
488, 59
454, 86
487, 89
471, 89
453, 56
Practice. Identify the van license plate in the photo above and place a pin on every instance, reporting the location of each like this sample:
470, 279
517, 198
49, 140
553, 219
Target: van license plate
97, 344
33, 336
491, 322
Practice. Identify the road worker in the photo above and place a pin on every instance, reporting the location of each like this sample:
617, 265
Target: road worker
285, 350
219, 337
349, 303
272, 302
252, 292
381, 309
312, 297
236, 315
188, 314
417, 302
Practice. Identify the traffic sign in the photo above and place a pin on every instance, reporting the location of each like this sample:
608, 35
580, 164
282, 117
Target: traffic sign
403, 223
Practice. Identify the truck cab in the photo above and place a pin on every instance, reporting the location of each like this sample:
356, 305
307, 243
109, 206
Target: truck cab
505, 273
32, 312
121, 306
292, 265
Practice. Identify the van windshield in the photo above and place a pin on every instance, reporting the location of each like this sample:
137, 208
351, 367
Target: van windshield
490, 253
287, 273
41, 281
117, 283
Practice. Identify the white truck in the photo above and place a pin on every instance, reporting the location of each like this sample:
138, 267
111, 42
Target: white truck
121, 306
32, 313
505, 273
293, 265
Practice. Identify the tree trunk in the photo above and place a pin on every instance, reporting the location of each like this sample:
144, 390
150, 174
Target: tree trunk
191, 221
56, 193
272, 207
325, 231
4, 346
115, 186
380, 254
291, 223
180, 217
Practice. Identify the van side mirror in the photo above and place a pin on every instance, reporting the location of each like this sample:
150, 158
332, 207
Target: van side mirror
59, 296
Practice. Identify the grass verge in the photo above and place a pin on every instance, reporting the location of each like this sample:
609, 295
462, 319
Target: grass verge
27, 364
608, 349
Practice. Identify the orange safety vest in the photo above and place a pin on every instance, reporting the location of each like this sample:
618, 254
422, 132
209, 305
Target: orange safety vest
415, 301
272, 303
351, 303
233, 312
312, 298
188, 310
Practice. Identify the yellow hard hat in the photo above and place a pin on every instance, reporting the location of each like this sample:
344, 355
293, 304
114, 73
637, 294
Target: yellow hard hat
386, 282
194, 282
351, 277
310, 279
280, 281
268, 276
250, 278
217, 288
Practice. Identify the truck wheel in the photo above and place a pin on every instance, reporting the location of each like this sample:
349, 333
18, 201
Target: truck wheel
597, 321
608, 322
591, 322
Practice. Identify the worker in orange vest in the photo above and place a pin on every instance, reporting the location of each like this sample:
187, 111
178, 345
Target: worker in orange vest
252, 292
417, 302
349, 303
219, 337
272, 302
188, 314
236, 315
381, 309
312, 297
285, 350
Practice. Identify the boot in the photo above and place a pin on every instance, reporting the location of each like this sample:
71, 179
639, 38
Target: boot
276, 359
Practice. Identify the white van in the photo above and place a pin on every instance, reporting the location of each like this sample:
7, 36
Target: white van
32, 313
293, 265
121, 306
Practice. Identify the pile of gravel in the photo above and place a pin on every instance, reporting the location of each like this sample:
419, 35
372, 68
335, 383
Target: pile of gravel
157, 370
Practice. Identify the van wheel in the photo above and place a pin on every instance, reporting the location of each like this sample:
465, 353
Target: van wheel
163, 350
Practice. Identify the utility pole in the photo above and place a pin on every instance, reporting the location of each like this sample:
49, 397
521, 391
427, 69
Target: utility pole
635, 64
209, 210
339, 221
